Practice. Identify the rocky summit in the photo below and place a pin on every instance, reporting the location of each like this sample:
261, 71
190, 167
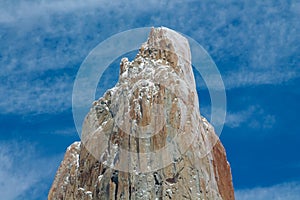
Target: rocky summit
145, 138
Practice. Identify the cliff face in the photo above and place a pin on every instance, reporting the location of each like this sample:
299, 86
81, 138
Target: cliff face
145, 138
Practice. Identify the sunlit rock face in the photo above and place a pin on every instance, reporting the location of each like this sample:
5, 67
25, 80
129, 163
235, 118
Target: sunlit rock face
145, 138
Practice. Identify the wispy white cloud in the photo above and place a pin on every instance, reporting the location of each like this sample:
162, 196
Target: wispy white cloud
50, 95
253, 117
258, 39
67, 131
251, 78
16, 10
285, 191
235, 119
23, 173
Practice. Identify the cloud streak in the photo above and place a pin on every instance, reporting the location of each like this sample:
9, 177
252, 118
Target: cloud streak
286, 191
249, 78
50, 95
253, 44
23, 173
254, 117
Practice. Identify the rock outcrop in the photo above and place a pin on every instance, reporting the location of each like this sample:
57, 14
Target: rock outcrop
145, 138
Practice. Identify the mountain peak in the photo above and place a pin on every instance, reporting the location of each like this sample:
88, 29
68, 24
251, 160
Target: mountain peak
145, 138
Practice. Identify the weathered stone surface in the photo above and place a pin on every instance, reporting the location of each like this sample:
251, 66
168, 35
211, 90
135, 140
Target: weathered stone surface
123, 152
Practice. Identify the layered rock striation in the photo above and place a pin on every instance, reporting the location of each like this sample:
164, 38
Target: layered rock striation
145, 138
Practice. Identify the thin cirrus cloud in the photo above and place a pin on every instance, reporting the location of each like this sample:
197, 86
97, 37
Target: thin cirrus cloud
259, 39
23, 173
51, 95
13, 11
250, 78
261, 120
286, 191
253, 116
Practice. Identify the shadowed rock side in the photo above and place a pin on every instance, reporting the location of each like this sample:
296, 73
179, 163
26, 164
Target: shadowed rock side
145, 138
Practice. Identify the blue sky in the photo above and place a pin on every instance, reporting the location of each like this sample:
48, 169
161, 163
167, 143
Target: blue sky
255, 45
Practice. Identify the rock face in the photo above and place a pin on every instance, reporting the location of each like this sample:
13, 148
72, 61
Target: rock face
145, 138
